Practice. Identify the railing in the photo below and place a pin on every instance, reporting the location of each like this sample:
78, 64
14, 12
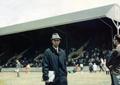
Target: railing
17, 56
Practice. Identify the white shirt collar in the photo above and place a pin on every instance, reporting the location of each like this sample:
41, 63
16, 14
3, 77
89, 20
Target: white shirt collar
56, 48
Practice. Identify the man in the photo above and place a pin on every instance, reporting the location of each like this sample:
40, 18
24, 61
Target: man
114, 62
54, 60
18, 66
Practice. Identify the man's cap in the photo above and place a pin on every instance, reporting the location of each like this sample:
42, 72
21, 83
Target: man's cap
55, 36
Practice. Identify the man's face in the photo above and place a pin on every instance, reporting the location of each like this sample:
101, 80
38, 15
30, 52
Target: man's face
115, 42
56, 42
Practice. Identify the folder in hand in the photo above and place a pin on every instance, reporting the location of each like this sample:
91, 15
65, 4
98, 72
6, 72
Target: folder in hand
51, 76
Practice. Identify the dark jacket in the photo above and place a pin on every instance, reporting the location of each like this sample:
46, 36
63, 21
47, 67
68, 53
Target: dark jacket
114, 63
55, 62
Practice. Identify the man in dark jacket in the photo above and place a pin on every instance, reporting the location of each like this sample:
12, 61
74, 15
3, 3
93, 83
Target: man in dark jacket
55, 60
114, 62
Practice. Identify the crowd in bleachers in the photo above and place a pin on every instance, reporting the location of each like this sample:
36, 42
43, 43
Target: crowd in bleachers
35, 60
92, 58
96, 60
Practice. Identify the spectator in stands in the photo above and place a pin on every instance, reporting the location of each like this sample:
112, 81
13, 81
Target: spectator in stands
101, 64
54, 63
77, 66
81, 64
105, 67
90, 67
95, 67
27, 68
0, 68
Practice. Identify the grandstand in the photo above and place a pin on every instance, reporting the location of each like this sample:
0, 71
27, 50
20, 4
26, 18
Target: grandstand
29, 46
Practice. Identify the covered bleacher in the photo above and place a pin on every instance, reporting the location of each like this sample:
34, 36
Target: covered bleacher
27, 41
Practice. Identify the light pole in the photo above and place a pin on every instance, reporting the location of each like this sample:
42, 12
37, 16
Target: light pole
116, 15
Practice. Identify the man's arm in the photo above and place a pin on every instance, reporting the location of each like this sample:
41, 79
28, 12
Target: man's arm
112, 62
45, 66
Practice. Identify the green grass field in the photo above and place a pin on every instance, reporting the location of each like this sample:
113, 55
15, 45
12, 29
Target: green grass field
34, 78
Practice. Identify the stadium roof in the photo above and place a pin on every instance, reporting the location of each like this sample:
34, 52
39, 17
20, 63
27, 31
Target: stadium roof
36, 14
